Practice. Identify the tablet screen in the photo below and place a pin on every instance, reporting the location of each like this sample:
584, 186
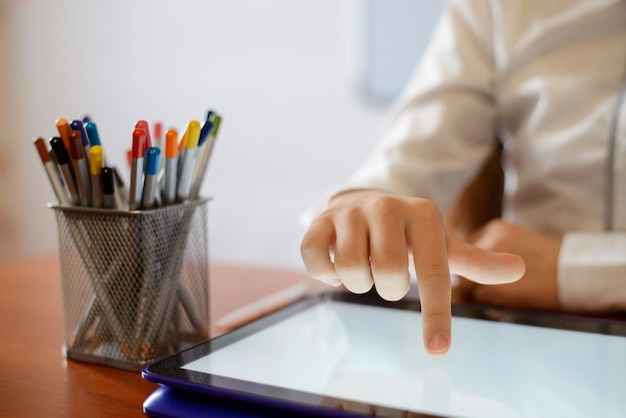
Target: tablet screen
369, 358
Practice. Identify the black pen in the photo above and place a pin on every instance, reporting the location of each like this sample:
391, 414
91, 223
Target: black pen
60, 153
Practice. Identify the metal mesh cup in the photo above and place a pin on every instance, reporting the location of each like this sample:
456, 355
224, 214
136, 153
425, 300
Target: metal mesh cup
135, 284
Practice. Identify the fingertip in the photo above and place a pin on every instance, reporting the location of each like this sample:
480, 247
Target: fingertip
334, 281
328, 279
514, 267
438, 345
393, 288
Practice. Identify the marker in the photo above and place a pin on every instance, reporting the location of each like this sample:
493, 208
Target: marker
171, 163
121, 192
108, 188
136, 169
92, 134
158, 135
64, 131
96, 163
79, 166
150, 183
52, 172
191, 147
142, 124
77, 125
205, 155
63, 160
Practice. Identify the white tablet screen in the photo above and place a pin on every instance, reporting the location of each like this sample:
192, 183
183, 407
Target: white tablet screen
375, 355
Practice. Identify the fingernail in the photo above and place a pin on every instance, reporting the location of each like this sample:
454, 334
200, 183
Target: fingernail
438, 344
335, 281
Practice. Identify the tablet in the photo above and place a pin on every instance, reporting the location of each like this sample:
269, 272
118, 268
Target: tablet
340, 354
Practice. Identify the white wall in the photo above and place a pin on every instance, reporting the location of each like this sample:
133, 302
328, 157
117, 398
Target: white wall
279, 71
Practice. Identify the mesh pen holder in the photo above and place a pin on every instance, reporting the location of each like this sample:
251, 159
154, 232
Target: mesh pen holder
135, 284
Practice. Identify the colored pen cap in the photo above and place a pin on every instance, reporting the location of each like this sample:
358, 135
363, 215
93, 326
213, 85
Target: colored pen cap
193, 134
92, 133
171, 143
77, 125
42, 149
76, 146
139, 143
152, 160
60, 152
206, 129
158, 130
142, 124
64, 131
96, 160
183, 139
217, 121
108, 180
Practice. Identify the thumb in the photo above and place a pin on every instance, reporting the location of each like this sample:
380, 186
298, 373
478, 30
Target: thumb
482, 266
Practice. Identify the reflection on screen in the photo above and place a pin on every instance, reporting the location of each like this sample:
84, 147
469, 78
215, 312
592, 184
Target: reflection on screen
375, 355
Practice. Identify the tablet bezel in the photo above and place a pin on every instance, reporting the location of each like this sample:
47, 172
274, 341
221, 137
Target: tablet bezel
169, 371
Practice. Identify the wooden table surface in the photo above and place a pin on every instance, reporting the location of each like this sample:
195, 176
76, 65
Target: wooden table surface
35, 378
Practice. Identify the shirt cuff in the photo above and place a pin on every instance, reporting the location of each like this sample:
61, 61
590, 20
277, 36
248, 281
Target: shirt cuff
592, 272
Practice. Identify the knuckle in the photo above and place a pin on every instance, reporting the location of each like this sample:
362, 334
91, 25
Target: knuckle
436, 315
436, 272
386, 206
424, 212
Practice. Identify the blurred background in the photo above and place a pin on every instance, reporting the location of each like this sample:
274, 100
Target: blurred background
304, 88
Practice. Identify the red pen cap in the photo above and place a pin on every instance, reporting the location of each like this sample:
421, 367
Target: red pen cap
158, 130
142, 124
76, 145
139, 143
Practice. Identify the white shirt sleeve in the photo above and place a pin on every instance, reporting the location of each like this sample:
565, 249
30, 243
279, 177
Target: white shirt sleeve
592, 272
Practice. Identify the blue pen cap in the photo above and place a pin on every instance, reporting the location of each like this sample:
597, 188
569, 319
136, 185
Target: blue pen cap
206, 129
92, 133
152, 160
77, 125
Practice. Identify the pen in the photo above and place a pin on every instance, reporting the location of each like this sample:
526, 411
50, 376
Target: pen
96, 163
171, 163
92, 134
64, 131
191, 147
150, 182
51, 171
262, 307
63, 160
142, 124
79, 166
158, 135
108, 188
121, 192
77, 125
136, 169
205, 155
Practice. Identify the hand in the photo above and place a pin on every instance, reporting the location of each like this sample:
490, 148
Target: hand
365, 237
537, 289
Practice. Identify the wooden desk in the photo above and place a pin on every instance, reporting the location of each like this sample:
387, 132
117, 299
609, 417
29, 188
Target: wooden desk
37, 381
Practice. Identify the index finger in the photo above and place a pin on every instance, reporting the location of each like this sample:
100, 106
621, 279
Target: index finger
427, 239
